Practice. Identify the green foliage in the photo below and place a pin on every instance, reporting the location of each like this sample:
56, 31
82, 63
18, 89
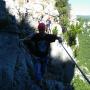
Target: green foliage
84, 60
74, 30
64, 21
80, 85
55, 31
76, 49
71, 34
85, 18
84, 55
63, 8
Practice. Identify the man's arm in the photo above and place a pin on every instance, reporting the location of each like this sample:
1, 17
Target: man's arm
52, 38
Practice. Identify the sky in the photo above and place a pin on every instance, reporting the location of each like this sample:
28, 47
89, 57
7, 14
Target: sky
80, 7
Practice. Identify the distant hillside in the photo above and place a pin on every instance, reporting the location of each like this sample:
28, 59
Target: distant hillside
84, 17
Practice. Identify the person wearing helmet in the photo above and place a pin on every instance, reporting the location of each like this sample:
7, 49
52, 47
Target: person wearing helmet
41, 47
41, 27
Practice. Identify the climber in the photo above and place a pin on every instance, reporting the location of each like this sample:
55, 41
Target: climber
40, 48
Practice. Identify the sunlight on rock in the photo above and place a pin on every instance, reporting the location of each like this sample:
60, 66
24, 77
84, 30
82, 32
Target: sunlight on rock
58, 51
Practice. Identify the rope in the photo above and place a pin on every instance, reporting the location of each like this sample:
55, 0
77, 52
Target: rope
77, 65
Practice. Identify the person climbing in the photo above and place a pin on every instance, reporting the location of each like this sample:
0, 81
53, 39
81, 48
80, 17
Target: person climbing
39, 49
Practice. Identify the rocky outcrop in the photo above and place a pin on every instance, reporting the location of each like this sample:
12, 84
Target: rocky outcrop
15, 62
16, 65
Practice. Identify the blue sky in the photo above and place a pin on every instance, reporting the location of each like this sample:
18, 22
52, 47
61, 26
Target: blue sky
80, 7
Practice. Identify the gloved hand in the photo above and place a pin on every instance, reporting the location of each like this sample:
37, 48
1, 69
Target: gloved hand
60, 39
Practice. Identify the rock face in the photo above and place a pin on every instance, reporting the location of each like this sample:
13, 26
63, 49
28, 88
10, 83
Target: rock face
16, 66
15, 62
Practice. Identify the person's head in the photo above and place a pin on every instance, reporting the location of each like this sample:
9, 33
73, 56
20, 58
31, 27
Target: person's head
41, 27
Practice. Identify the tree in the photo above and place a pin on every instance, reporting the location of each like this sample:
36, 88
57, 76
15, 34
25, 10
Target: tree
74, 30
63, 8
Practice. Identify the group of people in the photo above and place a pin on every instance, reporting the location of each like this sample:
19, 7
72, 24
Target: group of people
47, 23
39, 47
